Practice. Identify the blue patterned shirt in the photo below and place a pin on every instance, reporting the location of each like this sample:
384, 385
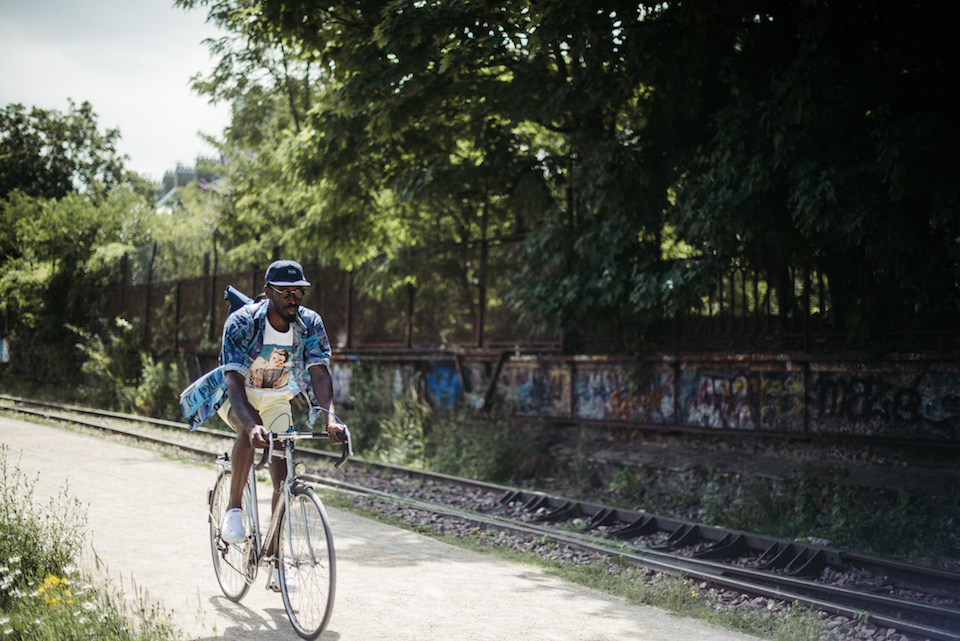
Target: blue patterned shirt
242, 342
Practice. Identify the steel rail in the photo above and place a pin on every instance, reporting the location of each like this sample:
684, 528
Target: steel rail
908, 617
786, 582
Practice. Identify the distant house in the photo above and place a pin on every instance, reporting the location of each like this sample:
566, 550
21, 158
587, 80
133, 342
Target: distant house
182, 176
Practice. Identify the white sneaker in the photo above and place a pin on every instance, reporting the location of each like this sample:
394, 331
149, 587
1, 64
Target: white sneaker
231, 527
292, 585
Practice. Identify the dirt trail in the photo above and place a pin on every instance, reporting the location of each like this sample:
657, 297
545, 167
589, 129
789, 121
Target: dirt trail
147, 520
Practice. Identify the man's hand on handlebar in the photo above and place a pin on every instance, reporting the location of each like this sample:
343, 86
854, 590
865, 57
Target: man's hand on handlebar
336, 432
258, 436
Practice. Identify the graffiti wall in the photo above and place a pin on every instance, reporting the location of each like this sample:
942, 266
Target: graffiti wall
895, 400
616, 393
742, 399
536, 390
909, 402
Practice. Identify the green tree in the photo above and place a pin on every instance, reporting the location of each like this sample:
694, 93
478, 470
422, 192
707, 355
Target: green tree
69, 214
664, 144
832, 149
48, 154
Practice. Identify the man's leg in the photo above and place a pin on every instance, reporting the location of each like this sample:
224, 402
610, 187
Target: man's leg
276, 413
241, 461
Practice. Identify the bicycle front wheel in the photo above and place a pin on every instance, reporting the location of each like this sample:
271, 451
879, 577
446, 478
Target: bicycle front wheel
308, 574
230, 560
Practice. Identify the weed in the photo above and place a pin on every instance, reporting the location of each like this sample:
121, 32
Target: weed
42, 593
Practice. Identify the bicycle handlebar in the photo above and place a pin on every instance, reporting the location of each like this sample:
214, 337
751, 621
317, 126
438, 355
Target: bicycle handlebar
293, 435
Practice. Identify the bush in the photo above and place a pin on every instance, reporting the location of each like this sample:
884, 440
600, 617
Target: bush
465, 443
402, 437
42, 593
110, 366
34, 541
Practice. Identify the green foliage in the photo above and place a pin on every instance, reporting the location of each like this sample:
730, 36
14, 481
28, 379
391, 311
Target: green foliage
402, 439
893, 524
46, 154
43, 539
42, 594
117, 376
157, 392
63, 253
610, 135
109, 367
371, 403
476, 446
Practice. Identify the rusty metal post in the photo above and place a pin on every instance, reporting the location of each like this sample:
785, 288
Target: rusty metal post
408, 331
482, 280
349, 311
176, 321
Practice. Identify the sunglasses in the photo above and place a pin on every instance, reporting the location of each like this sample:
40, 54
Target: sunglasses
288, 292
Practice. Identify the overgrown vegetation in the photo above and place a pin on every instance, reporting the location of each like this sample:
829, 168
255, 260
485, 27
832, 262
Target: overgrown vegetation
43, 595
116, 376
395, 424
814, 504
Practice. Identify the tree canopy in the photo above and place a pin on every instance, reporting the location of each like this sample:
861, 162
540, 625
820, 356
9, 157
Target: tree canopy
47, 154
69, 214
641, 150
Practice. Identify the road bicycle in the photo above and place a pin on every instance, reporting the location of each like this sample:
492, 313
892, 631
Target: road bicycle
298, 543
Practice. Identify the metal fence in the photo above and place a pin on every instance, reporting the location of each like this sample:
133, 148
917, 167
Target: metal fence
456, 300
451, 306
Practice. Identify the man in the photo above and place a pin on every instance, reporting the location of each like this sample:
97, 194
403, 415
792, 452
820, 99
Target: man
258, 338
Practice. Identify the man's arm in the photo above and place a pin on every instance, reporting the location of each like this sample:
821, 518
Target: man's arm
242, 411
322, 384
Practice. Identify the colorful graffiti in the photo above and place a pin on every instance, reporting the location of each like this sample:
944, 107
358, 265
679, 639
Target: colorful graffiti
781, 401
536, 390
719, 399
606, 392
893, 401
443, 385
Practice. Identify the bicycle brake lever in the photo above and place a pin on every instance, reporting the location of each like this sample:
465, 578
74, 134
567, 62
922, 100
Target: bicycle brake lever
347, 448
267, 452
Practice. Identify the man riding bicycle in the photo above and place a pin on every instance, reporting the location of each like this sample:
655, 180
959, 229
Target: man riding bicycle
272, 350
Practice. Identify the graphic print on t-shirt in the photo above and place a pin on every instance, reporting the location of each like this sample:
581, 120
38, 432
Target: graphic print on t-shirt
270, 372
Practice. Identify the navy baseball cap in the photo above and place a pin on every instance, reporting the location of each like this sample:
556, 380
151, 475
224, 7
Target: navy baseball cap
286, 272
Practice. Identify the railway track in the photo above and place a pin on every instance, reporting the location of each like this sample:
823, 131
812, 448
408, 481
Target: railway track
921, 602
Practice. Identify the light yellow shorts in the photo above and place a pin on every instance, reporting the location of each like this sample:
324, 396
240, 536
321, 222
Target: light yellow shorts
274, 410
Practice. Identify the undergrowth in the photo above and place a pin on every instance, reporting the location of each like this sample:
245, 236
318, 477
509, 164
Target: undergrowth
43, 595
814, 505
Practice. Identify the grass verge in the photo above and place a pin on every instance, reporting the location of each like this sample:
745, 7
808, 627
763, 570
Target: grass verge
43, 594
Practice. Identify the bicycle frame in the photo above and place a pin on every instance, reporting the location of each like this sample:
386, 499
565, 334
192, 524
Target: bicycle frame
261, 542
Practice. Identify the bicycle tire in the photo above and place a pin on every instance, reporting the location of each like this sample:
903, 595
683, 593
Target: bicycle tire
230, 560
307, 560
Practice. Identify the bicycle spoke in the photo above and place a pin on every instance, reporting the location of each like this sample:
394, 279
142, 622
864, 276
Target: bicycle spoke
308, 577
229, 560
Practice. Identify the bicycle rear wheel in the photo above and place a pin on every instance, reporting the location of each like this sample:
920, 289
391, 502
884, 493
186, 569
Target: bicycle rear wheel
230, 560
308, 574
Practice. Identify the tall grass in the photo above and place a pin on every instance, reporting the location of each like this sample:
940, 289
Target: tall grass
43, 594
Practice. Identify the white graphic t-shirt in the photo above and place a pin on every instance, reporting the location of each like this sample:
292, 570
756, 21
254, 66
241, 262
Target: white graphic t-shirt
271, 372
